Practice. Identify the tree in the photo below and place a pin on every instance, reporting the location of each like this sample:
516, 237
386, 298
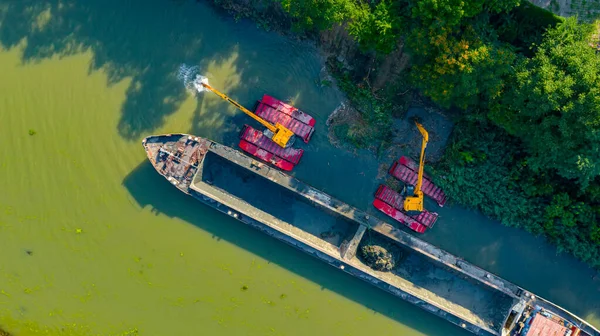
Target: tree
372, 26
553, 106
318, 14
377, 28
451, 12
457, 67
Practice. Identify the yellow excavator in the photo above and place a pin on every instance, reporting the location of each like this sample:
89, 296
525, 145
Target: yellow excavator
281, 135
414, 204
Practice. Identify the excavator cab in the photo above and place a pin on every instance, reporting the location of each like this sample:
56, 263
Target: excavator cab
413, 205
282, 136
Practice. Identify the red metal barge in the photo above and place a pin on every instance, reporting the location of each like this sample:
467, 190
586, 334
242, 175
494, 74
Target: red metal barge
406, 170
276, 111
391, 202
255, 143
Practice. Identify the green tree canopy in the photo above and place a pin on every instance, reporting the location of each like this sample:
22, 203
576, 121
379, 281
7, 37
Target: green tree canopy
451, 12
318, 14
378, 28
374, 26
457, 67
553, 106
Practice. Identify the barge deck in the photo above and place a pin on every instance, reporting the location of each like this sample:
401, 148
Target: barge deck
333, 231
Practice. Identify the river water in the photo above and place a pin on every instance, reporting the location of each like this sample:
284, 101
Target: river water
94, 242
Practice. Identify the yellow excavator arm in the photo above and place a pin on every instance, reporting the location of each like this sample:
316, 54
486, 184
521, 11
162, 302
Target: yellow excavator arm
282, 136
415, 203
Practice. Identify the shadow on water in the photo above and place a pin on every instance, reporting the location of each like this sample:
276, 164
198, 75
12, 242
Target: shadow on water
144, 41
127, 41
165, 199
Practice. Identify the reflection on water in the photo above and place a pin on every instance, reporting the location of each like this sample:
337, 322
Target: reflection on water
93, 238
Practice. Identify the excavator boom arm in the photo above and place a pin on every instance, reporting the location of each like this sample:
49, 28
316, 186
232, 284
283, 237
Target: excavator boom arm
263, 122
422, 158
414, 203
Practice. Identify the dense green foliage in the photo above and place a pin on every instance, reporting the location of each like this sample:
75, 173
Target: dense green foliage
319, 15
482, 168
523, 26
553, 105
458, 66
374, 25
376, 28
459, 58
464, 57
531, 159
525, 147
486, 168
374, 126
449, 13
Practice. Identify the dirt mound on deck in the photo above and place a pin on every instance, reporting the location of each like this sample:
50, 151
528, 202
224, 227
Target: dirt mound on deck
378, 258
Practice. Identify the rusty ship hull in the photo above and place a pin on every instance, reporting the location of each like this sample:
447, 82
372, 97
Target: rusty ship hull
332, 231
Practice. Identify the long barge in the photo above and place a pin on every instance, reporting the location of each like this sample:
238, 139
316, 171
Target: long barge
333, 231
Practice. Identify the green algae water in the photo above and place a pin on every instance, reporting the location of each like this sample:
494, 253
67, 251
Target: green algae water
94, 242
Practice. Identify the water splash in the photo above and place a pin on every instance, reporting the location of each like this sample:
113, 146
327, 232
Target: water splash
191, 78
